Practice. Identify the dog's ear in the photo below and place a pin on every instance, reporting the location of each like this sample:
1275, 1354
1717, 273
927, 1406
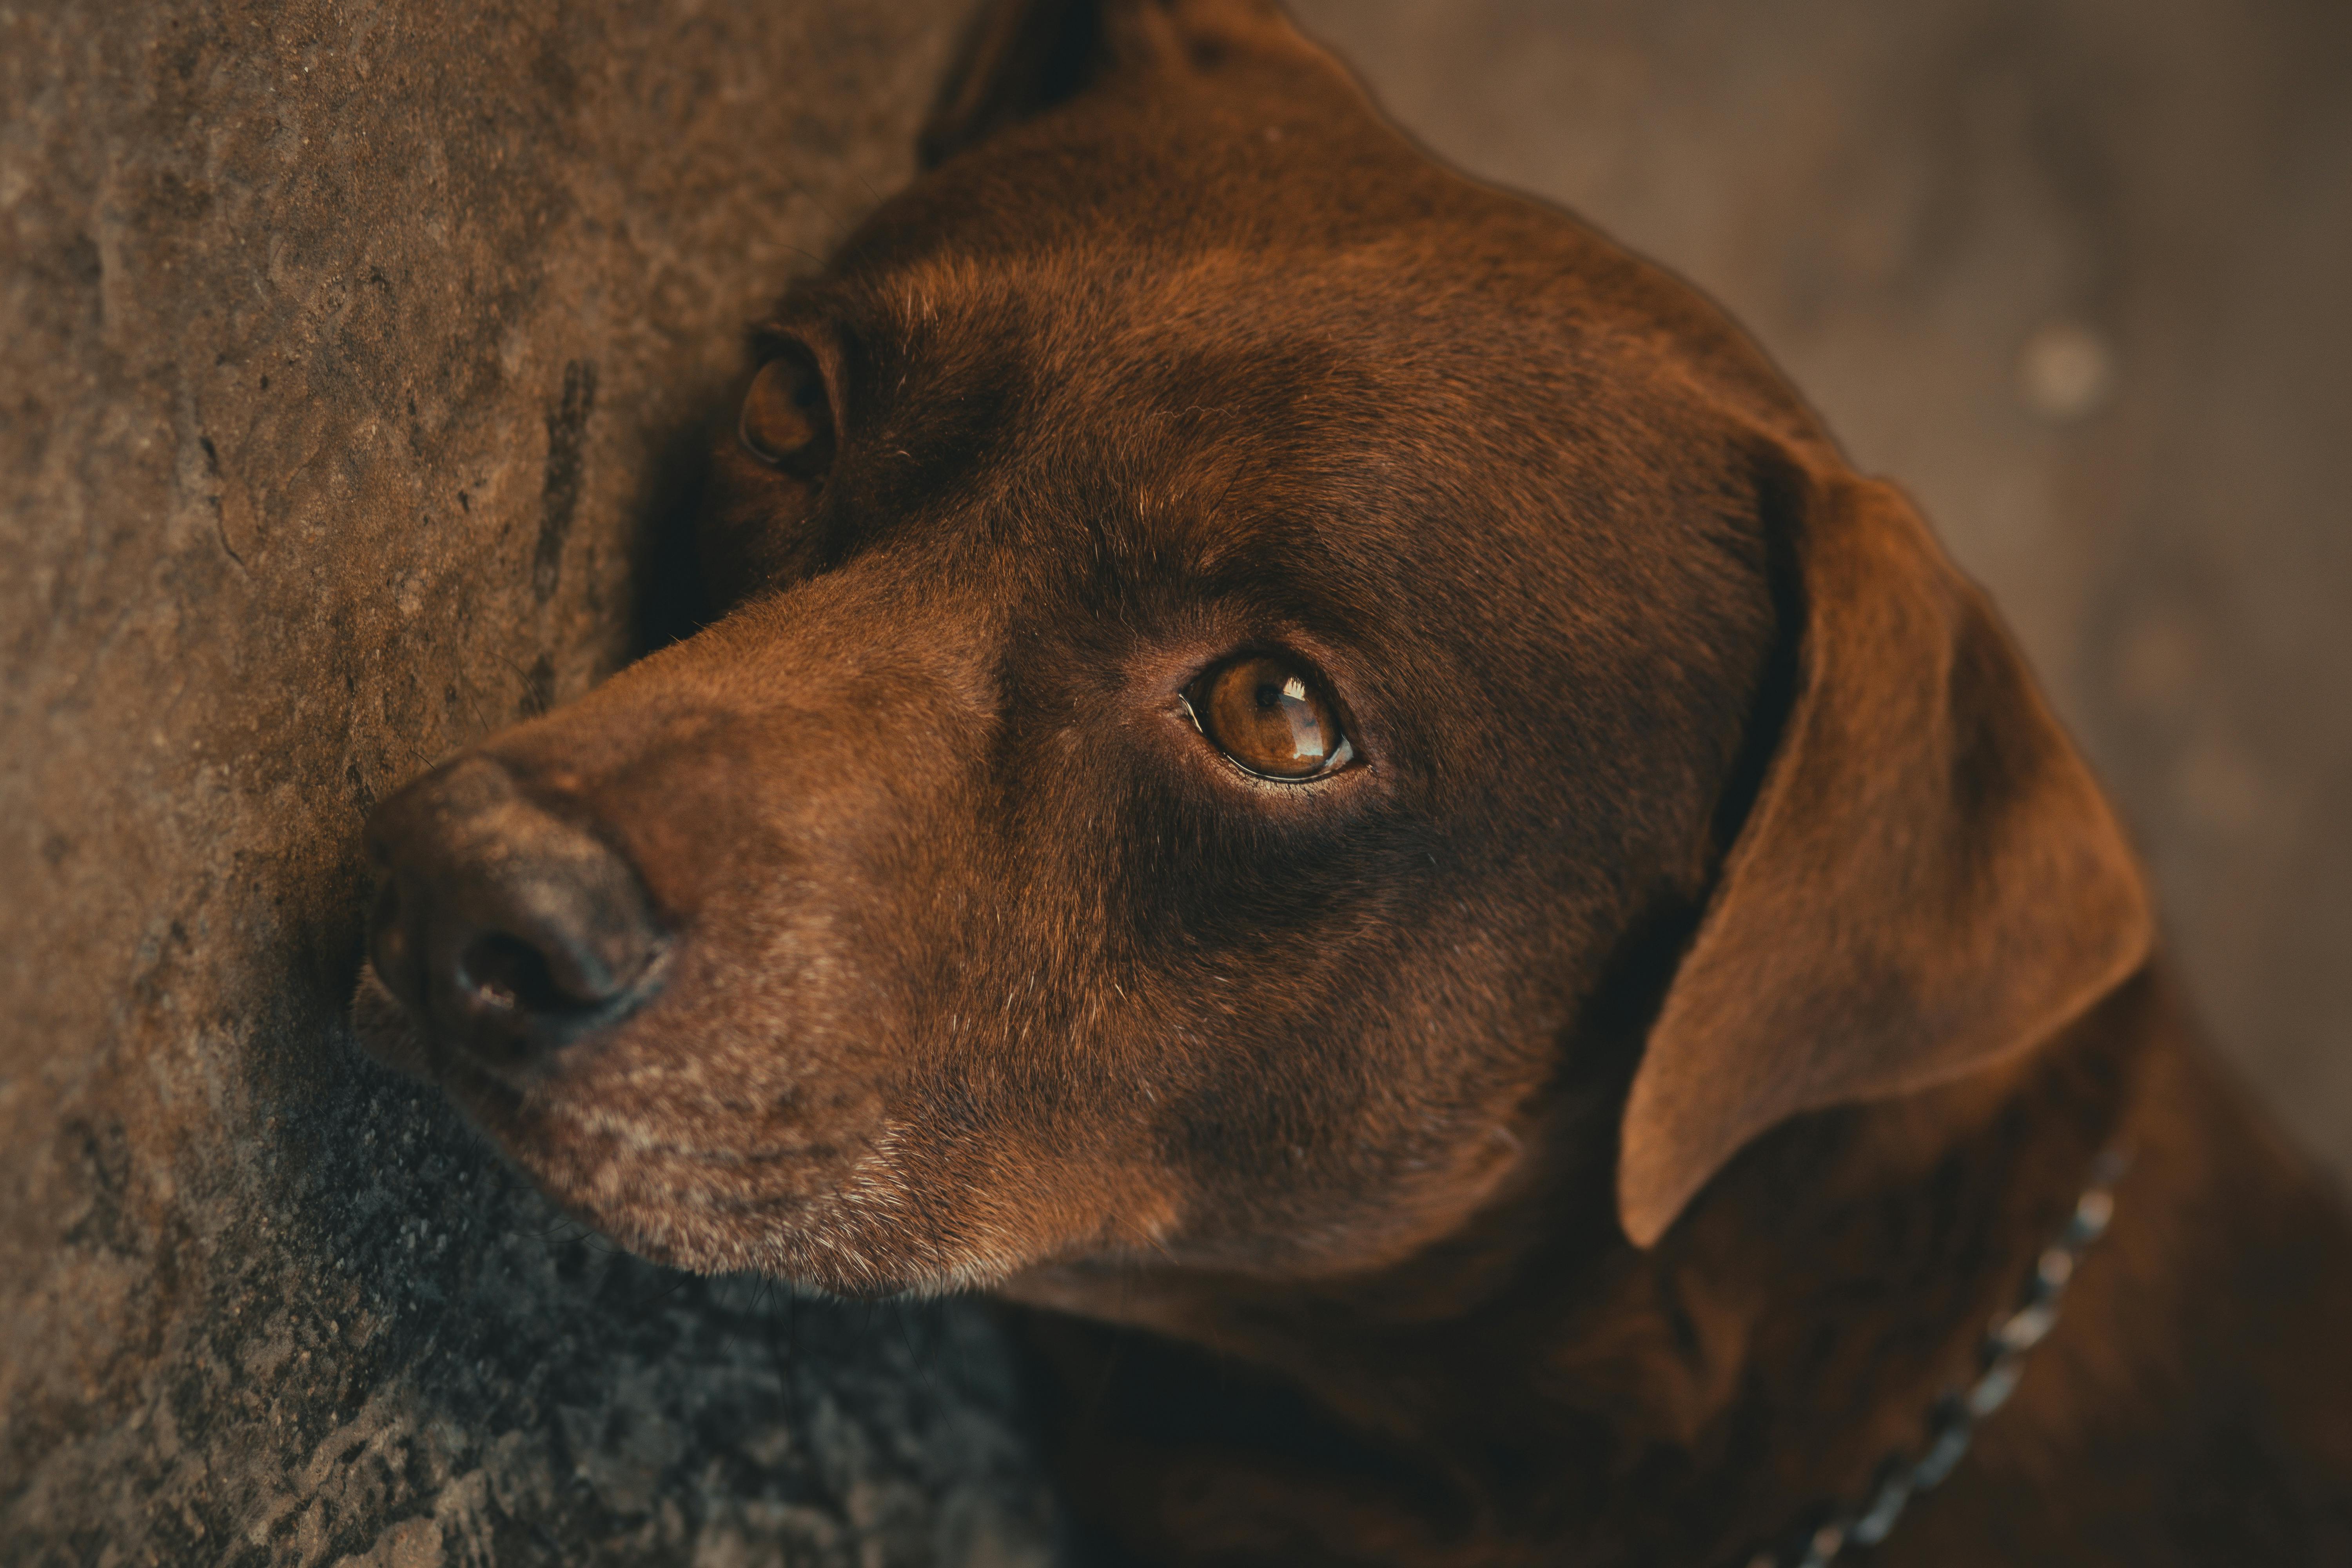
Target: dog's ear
1927, 880
1021, 58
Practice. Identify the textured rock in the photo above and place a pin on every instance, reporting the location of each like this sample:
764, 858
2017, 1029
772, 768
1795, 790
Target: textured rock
347, 355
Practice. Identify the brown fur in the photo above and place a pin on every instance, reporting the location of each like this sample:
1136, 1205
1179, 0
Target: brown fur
1595, 1128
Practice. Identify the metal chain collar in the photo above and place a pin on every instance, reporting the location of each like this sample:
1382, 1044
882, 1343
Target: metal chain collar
1953, 1421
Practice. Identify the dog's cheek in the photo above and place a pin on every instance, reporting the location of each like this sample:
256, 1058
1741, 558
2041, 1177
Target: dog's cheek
1248, 1050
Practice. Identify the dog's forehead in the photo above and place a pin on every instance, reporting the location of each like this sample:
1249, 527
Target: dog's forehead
1225, 218
1425, 322
1203, 415
1214, 403
1187, 339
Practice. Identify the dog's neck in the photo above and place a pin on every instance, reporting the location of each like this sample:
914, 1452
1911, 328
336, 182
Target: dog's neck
1538, 1380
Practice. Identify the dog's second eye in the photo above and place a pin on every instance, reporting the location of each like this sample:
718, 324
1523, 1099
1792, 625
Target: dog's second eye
785, 421
1267, 715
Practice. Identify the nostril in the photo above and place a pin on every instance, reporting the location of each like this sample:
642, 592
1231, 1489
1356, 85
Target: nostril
507, 974
530, 962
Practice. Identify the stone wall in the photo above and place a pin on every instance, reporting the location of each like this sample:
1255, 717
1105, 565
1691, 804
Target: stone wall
352, 356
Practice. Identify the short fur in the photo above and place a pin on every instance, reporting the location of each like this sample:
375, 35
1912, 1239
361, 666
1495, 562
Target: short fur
1592, 1129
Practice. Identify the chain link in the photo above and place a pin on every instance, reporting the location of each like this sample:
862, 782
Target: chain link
1952, 1423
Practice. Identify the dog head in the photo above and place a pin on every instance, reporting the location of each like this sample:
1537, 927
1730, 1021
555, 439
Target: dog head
1235, 632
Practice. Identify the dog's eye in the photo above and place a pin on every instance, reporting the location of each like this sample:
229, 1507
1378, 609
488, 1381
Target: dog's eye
1269, 716
786, 422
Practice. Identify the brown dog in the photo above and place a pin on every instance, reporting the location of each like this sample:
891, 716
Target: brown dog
1328, 780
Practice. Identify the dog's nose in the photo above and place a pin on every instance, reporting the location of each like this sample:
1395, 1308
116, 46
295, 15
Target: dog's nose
509, 930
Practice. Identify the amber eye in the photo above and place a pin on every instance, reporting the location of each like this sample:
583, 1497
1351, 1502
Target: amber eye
1267, 714
786, 423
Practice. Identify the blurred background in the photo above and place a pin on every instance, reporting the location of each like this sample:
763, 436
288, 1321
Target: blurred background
2078, 273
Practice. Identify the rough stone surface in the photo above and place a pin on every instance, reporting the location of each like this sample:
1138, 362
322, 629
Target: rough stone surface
2072, 271
346, 353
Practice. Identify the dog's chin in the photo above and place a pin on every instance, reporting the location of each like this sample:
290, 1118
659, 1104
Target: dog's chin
819, 1260
654, 1199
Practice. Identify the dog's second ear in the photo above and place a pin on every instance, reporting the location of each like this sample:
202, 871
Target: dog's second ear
1021, 58
1928, 880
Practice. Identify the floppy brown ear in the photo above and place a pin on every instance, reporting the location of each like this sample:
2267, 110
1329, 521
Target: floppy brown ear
1928, 880
1021, 58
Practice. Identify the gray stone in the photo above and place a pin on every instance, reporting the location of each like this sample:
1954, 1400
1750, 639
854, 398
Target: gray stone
352, 356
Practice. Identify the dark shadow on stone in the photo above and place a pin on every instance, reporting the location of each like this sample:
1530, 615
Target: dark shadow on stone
672, 601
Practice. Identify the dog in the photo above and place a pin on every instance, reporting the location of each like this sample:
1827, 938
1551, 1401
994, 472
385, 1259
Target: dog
1330, 786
